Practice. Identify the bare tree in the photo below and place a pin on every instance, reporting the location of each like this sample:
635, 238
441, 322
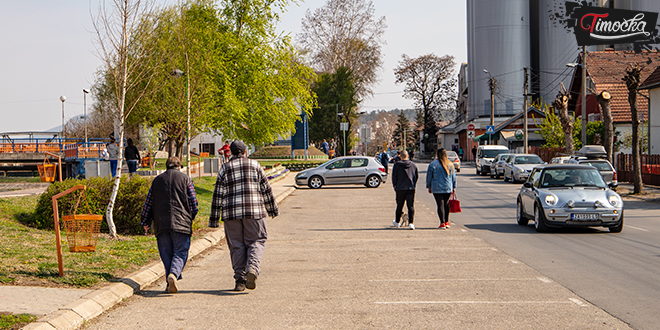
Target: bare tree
561, 105
431, 83
633, 80
604, 99
120, 41
345, 33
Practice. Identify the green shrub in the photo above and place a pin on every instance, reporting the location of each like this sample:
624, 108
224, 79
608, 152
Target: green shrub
128, 204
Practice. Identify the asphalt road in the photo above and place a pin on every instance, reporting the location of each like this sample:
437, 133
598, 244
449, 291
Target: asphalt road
619, 273
334, 261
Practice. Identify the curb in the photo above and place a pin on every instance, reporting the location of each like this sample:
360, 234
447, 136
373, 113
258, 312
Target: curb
93, 304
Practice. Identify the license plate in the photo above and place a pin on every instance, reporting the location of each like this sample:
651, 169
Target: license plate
585, 216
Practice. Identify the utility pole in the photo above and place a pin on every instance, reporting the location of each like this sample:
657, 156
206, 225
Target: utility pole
491, 86
585, 118
525, 145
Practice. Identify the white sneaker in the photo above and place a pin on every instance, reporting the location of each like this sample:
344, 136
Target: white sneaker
395, 224
411, 226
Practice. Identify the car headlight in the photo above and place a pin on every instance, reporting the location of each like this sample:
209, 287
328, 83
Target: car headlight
614, 200
520, 170
550, 200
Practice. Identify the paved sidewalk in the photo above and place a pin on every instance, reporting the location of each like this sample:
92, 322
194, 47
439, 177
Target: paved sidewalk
69, 308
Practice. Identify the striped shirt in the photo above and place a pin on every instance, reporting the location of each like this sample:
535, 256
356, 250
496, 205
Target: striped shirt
242, 191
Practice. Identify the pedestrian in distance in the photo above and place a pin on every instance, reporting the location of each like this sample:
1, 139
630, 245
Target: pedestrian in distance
385, 160
404, 180
171, 206
224, 152
132, 155
474, 152
325, 147
441, 182
397, 158
333, 144
411, 154
460, 153
244, 197
113, 156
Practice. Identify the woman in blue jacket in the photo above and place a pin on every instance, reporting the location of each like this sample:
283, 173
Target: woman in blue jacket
441, 182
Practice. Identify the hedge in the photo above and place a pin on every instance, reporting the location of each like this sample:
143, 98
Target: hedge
128, 205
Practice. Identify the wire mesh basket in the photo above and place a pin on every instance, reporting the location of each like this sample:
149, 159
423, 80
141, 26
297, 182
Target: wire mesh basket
47, 171
82, 231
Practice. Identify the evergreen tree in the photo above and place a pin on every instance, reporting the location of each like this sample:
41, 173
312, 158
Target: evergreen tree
402, 125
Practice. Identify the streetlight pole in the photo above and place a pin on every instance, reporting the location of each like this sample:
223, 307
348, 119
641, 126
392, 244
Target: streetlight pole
85, 92
491, 86
63, 98
585, 118
525, 144
179, 73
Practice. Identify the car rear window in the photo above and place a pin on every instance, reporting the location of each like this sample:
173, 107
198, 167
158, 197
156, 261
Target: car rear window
528, 160
492, 153
601, 166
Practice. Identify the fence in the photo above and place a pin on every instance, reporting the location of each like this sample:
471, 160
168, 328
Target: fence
650, 165
547, 154
71, 148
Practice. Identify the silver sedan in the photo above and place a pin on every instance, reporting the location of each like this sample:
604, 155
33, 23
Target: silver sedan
344, 170
569, 196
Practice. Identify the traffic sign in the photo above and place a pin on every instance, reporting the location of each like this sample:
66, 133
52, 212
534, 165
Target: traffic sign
471, 127
520, 134
470, 134
490, 129
343, 126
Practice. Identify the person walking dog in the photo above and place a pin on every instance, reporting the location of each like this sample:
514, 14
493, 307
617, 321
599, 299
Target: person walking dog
172, 206
244, 197
441, 182
404, 180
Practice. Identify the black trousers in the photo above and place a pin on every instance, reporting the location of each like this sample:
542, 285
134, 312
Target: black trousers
407, 197
442, 202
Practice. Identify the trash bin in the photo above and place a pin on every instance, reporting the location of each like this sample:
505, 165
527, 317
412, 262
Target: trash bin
47, 171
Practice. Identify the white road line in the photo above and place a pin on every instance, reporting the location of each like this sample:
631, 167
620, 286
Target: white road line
495, 190
633, 227
514, 261
455, 280
578, 302
523, 302
512, 195
545, 280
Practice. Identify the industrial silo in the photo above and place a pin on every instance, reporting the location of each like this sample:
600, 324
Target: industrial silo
498, 41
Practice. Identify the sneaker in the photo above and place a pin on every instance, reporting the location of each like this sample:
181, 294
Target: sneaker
442, 226
240, 285
395, 224
171, 284
411, 226
446, 225
251, 278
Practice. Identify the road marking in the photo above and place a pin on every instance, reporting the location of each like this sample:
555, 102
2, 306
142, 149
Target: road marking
633, 227
514, 261
578, 302
523, 302
455, 279
512, 195
464, 230
495, 190
545, 280
450, 262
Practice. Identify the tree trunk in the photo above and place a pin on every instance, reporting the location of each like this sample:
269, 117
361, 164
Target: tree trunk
632, 80
608, 130
561, 104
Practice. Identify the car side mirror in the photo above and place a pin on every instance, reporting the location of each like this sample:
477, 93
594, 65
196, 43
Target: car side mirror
613, 185
528, 185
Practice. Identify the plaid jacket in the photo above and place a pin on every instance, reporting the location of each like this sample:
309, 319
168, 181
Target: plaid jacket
242, 191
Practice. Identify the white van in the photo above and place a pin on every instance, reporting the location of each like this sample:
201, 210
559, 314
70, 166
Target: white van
485, 155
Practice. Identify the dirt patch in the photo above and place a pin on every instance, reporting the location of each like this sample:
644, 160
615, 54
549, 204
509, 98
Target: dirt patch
648, 195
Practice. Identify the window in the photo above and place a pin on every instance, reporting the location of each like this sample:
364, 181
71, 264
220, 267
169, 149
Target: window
342, 163
535, 178
359, 162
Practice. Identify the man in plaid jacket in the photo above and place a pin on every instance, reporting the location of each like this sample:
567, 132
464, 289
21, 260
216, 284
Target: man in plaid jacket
244, 197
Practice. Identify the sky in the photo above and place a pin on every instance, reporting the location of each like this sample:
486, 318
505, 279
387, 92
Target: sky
47, 50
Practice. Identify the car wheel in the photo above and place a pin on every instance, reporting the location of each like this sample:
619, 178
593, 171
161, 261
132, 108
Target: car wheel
513, 178
505, 178
315, 182
373, 181
618, 228
539, 220
458, 170
521, 218
478, 172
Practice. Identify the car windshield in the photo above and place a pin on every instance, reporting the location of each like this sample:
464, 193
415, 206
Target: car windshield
492, 153
528, 160
601, 166
572, 178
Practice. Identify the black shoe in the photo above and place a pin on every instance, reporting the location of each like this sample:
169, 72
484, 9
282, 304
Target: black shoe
251, 278
240, 286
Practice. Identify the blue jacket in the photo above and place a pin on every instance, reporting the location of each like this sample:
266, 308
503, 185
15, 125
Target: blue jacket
438, 180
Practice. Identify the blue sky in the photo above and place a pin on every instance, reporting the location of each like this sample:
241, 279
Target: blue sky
48, 50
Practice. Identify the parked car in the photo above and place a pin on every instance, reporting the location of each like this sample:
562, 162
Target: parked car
560, 160
518, 167
454, 159
569, 195
344, 170
485, 155
597, 157
497, 166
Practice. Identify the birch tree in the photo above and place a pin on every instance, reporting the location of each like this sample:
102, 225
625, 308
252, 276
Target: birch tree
120, 44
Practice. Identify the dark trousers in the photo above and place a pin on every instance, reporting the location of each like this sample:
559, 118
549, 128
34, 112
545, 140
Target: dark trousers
442, 202
173, 248
407, 197
132, 166
247, 241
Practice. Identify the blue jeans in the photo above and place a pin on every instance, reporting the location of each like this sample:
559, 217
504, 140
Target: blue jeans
132, 166
173, 248
113, 167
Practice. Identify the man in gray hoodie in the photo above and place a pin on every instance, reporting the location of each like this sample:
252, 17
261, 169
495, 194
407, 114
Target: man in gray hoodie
404, 180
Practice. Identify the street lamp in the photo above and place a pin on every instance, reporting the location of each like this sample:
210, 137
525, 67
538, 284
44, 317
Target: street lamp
491, 86
85, 92
178, 73
63, 98
585, 118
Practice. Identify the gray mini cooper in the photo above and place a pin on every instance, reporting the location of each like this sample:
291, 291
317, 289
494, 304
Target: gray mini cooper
344, 170
569, 196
